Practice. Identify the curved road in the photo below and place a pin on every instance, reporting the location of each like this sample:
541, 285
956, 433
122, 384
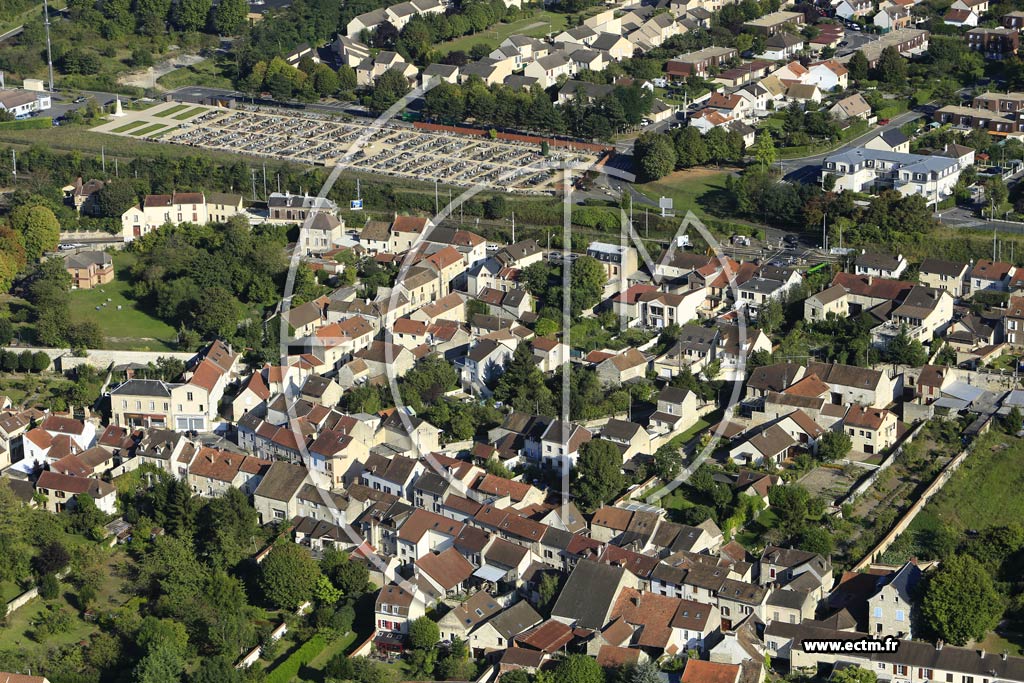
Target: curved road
805, 169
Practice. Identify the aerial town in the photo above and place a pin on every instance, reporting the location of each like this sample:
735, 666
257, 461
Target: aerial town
671, 341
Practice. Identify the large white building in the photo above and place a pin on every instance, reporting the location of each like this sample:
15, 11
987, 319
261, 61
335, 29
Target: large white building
870, 170
23, 102
157, 210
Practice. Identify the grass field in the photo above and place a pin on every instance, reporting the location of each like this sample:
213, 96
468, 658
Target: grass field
152, 128
314, 670
128, 126
751, 535
689, 189
993, 470
537, 25
185, 115
172, 110
127, 328
207, 73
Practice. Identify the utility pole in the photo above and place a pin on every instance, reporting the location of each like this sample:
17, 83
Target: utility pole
49, 57
265, 196
437, 208
513, 227
253, 171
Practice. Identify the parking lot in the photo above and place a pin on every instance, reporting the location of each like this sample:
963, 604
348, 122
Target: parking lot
393, 149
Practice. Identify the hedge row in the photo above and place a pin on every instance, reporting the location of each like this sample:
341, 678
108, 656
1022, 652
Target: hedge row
26, 124
289, 668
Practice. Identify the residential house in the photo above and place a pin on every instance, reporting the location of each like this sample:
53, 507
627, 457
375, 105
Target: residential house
61, 491
625, 366
872, 430
89, 269
775, 23
890, 609
880, 265
849, 384
395, 608
889, 140
700, 63
947, 275
987, 275
157, 210
994, 43
867, 170
677, 411
851, 107
782, 46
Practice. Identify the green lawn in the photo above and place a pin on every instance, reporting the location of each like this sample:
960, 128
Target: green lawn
127, 328
185, 115
985, 491
152, 128
207, 73
172, 110
687, 188
34, 388
314, 670
751, 535
538, 25
128, 126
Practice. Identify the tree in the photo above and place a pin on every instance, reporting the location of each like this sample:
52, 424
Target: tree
192, 15
598, 475
906, 351
579, 669
522, 385
770, 316
654, 156
445, 101
116, 197
667, 462
326, 81
790, 503
216, 670
645, 672
892, 68
40, 361
996, 196
960, 601
764, 149
854, 674
390, 88
288, 575
38, 227
230, 16
49, 587
1014, 421
587, 283
815, 539
515, 676
160, 665
858, 66
495, 207
834, 445
423, 633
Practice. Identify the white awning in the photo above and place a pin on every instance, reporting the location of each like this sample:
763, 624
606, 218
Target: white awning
489, 573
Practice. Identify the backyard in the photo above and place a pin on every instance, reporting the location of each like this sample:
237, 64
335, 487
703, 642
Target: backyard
124, 324
993, 467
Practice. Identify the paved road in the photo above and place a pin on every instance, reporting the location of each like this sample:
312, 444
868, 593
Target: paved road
964, 218
806, 169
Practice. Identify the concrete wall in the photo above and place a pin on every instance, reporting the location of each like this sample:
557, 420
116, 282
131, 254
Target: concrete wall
64, 360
